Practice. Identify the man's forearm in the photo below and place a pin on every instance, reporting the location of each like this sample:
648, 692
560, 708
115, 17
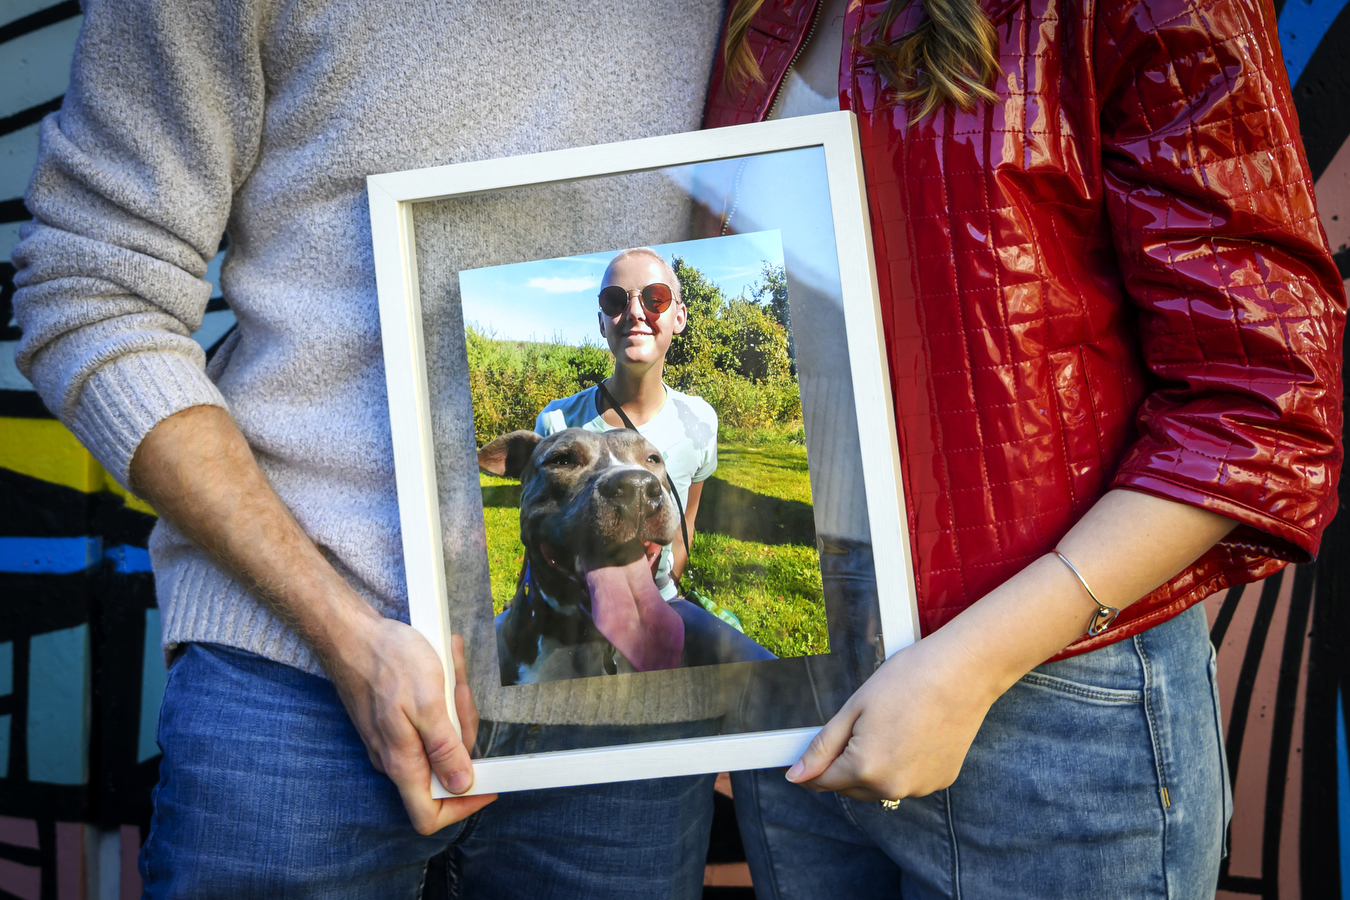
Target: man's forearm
197, 471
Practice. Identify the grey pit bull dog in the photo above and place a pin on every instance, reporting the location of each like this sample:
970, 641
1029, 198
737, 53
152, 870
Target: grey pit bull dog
595, 511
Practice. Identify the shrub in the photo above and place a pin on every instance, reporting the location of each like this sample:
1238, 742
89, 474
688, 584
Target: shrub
734, 353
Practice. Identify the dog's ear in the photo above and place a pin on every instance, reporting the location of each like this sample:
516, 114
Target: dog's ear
507, 455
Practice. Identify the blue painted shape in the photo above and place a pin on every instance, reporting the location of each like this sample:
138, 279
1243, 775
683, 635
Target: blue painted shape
128, 559
49, 556
1343, 795
6, 668
1302, 25
4, 746
154, 677
58, 706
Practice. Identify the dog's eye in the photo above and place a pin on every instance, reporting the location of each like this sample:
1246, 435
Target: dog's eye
561, 459
654, 458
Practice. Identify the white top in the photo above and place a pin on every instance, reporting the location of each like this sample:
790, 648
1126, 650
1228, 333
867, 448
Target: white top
684, 430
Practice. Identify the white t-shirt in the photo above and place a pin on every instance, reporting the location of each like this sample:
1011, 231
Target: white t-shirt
684, 430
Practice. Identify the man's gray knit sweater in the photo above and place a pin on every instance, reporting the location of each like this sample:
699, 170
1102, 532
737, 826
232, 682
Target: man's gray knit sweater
186, 118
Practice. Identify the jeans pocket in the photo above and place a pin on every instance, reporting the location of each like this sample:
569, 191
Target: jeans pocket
1089, 692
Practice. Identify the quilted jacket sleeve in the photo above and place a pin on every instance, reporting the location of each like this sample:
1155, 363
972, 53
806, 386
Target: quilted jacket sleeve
1241, 310
134, 181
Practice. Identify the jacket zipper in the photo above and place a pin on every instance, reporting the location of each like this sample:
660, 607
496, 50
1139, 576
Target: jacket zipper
782, 82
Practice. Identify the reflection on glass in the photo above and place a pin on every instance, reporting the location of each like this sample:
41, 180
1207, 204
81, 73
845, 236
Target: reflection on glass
777, 602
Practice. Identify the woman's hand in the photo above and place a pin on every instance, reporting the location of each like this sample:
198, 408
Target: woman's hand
907, 730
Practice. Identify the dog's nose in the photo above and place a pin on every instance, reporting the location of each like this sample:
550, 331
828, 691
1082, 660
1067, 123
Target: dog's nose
624, 488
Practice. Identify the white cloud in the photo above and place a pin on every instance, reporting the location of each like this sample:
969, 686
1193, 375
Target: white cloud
556, 285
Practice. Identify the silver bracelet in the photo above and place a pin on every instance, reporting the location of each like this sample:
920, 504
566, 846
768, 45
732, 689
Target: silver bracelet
1105, 615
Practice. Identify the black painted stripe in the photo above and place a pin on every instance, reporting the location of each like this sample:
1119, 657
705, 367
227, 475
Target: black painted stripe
1282, 725
1342, 260
18, 723
23, 405
7, 331
24, 856
30, 116
1319, 827
1322, 96
13, 210
1240, 884
40, 19
1225, 616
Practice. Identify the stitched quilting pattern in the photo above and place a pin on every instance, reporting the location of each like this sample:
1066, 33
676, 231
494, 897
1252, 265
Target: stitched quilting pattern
1114, 276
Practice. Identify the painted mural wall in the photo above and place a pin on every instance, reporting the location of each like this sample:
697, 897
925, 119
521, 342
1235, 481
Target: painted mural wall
81, 673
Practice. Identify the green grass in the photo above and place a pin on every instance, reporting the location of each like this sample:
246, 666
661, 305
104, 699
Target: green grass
774, 589
506, 553
776, 470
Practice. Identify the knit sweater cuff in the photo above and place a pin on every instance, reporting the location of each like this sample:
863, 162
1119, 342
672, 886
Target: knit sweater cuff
130, 395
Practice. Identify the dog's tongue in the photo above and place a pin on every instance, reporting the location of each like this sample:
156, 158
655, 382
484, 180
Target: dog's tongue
630, 612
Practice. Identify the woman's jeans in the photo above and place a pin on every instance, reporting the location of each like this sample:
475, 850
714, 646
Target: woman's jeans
266, 791
1102, 775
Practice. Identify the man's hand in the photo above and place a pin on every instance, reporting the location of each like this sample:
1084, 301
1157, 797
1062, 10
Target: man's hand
392, 686
197, 471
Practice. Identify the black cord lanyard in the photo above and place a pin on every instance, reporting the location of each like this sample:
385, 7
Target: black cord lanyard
614, 404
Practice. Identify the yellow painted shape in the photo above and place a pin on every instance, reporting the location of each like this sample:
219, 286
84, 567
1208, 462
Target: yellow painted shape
45, 449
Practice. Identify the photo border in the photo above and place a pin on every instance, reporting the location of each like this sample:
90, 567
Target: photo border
391, 197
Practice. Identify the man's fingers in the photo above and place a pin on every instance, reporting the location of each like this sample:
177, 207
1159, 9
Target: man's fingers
824, 747
448, 757
465, 709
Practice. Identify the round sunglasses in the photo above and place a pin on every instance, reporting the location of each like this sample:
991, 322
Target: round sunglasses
655, 298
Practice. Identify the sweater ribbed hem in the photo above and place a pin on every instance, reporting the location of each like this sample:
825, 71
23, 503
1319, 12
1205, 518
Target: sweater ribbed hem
128, 396
199, 603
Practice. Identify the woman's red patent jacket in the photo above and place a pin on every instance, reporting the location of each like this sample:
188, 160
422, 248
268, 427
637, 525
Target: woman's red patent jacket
1114, 277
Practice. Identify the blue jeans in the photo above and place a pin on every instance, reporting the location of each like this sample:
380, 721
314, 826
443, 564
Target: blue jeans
266, 791
1102, 775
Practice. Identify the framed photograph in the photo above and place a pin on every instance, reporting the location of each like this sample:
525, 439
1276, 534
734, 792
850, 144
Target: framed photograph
695, 591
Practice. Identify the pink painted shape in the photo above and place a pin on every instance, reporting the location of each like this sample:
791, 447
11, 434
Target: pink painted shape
1333, 199
70, 861
1249, 794
21, 881
130, 887
19, 832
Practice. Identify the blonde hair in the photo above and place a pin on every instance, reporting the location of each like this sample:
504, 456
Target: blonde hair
648, 251
950, 57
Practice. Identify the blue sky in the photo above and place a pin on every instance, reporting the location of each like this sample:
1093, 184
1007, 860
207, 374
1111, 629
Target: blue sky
555, 299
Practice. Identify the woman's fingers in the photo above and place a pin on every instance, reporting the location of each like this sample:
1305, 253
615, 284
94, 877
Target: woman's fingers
825, 747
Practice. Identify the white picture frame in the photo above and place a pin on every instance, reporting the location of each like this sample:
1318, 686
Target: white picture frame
391, 199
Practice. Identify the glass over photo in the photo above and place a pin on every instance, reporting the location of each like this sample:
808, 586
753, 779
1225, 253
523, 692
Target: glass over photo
709, 571
688, 539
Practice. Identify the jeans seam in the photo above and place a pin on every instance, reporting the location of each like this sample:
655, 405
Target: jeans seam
956, 847
764, 838
422, 881
1067, 687
1160, 769
1225, 803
